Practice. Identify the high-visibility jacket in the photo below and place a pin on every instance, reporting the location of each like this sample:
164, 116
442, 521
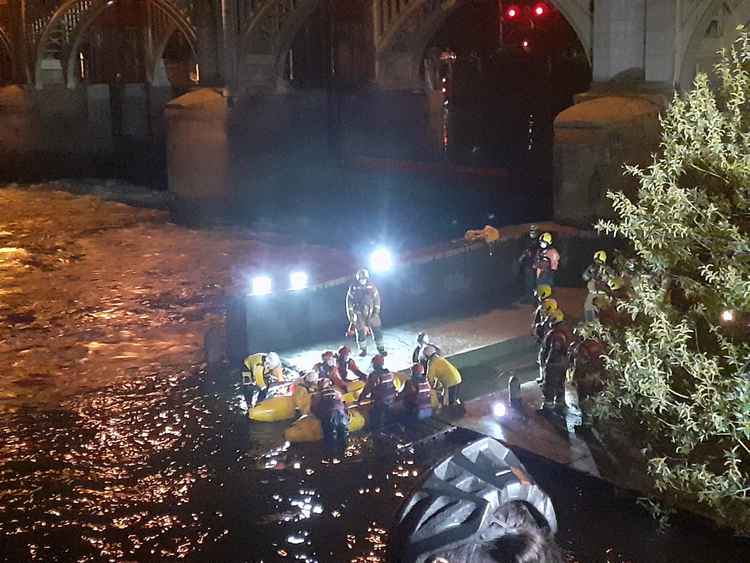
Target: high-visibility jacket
362, 301
255, 364
440, 370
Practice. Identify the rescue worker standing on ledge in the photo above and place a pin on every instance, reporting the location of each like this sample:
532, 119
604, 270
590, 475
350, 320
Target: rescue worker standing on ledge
380, 386
587, 374
554, 358
345, 364
547, 261
423, 340
363, 312
597, 277
417, 396
542, 293
327, 370
527, 261
328, 406
263, 371
443, 376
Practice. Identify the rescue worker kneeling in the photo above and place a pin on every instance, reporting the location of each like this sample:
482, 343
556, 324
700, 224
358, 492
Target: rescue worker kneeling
328, 406
416, 398
380, 386
443, 376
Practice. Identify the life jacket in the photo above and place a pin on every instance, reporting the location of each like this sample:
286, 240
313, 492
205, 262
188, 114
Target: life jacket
547, 260
385, 390
424, 394
329, 401
363, 297
255, 365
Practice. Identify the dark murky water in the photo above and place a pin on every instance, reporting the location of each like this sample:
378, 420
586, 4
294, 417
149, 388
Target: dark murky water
116, 445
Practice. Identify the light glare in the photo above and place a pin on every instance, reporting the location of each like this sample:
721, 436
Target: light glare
298, 280
261, 285
381, 260
727, 316
499, 410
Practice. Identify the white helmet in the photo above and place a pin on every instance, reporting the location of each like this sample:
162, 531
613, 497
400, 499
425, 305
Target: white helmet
272, 361
423, 339
311, 377
362, 276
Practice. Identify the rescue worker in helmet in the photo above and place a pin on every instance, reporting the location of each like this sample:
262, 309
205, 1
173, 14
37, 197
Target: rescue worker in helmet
540, 330
381, 388
264, 372
555, 362
345, 365
542, 293
327, 369
597, 277
423, 340
443, 376
417, 396
363, 312
527, 261
328, 406
586, 373
547, 261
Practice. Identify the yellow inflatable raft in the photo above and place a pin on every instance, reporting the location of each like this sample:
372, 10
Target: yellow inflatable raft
277, 409
308, 429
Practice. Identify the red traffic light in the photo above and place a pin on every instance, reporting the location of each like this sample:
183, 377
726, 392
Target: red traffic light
512, 12
539, 9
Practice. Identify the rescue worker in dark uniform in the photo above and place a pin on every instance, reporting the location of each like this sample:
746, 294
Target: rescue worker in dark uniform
541, 315
380, 386
345, 364
547, 261
587, 374
597, 277
363, 312
327, 370
418, 356
555, 362
417, 396
328, 406
527, 261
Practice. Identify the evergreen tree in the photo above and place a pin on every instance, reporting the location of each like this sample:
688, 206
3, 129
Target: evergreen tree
678, 355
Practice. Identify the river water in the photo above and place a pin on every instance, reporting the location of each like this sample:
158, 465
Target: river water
117, 443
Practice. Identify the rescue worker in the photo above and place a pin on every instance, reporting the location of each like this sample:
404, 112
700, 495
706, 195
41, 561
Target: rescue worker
363, 312
443, 376
586, 373
327, 369
527, 261
555, 362
328, 406
423, 340
263, 372
417, 395
345, 364
547, 261
541, 316
597, 277
380, 386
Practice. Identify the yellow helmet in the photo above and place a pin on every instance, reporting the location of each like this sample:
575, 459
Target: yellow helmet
549, 305
543, 291
600, 256
615, 283
546, 237
557, 316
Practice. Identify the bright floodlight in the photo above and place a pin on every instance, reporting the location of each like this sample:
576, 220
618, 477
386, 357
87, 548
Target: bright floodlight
381, 260
261, 285
727, 316
499, 410
297, 281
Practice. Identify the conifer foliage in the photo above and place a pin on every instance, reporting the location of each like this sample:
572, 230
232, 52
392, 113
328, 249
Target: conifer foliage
678, 354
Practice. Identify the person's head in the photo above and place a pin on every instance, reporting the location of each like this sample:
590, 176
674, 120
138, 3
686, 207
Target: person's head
556, 317
429, 351
362, 276
543, 291
378, 362
328, 358
545, 240
533, 232
549, 305
344, 353
600, 257
423, 339
272, 361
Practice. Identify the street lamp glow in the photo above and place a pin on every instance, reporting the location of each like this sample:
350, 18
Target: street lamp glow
381, 260
261, 285
298, 280
727, 316
499, 410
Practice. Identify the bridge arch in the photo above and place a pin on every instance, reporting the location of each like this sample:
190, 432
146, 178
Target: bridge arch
709, 27
403, 29
66, 28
